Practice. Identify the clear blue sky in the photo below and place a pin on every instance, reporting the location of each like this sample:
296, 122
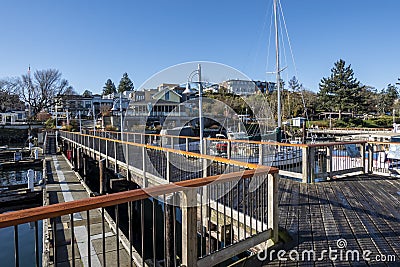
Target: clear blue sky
91, 41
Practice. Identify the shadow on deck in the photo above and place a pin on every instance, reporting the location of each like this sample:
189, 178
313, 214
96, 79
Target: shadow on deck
362, 212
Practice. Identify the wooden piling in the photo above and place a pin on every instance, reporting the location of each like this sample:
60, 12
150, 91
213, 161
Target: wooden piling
189, 228
85, 167
103, 177
169, 231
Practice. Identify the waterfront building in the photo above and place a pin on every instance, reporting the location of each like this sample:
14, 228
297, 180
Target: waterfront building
13, 117
246, 87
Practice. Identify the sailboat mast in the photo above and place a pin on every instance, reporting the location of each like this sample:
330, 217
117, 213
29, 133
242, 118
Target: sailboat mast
278, 74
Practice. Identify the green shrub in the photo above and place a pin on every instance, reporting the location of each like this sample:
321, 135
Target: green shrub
110, 127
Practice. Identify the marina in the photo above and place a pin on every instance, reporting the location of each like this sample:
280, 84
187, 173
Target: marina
200, 164
302, 208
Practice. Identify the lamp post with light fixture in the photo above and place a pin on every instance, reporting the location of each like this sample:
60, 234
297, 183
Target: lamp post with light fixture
78, 117
115, 109
188, 91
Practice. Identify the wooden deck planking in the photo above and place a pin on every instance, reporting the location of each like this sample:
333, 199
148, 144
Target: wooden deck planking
370, 223
385, 228
292, 217
354, 217
305, 237
363, 210
318, 226
342, 224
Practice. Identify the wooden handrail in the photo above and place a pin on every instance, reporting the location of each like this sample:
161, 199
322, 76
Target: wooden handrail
336, 143
216, 139
60, 209
181, 152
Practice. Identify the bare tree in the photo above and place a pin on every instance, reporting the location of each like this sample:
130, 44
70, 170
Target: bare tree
39, 91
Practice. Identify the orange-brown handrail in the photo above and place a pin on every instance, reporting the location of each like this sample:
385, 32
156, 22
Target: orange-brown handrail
336, 143
212, 139
177, 151
60, 209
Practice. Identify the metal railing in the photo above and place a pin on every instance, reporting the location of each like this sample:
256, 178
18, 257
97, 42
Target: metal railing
304, 162
196, 222
383, 158
287, 157
154, 163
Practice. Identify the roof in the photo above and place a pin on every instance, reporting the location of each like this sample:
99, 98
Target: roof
154, 102
162, 92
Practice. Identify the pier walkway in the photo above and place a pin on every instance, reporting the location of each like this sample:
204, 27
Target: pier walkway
65, 186
360, 211
351, 219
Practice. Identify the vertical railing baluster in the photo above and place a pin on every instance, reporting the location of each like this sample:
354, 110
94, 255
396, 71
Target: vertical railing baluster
238, 207
117, 231
16, 246
103, 231
154, 232
165, 228
174, 227
72, 241
216, 204
250, 209
37, 245
88, 231
142, 228
224, 200
54, 241
130, 226
209, 188
201, 220
244, 208
231, 206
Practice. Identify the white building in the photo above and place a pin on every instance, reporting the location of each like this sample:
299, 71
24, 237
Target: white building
240, 87
298, 121
13, 117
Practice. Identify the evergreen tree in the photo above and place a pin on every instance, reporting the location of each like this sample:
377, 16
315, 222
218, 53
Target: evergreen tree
109, 88
387, 98
125, 84
87, 93
294, 84
341, 91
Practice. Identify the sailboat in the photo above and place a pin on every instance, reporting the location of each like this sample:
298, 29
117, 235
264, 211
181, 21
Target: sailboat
279, 155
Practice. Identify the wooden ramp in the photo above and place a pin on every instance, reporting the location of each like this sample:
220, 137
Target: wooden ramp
64, 186
361, 211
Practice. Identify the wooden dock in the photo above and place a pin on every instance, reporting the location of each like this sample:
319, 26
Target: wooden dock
362, 210
63, 186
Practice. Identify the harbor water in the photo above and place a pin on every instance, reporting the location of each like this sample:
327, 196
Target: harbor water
26, 232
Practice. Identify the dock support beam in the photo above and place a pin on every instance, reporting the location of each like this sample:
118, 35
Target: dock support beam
79, 158
103, 177
329, 162
85, 167
273, 211
370, 158
304, 164
169, 231
189, 228
362, 152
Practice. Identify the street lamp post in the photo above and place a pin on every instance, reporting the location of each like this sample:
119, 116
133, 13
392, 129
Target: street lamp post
78, 116
94, 119
189, 91
56, 111
120, 110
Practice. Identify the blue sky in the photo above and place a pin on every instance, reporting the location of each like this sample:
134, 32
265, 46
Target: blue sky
91, 41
